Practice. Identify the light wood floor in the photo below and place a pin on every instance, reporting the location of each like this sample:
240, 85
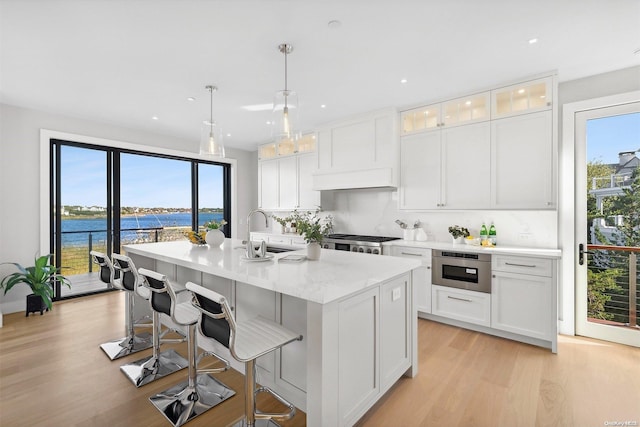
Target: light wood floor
52, 373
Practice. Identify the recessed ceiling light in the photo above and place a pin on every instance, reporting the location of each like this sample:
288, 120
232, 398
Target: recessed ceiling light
228, 135
532, 41
403, 81
467, 103
191, 99
268, 122
334, 24
323, 106
542, 96
154, 118
520, 90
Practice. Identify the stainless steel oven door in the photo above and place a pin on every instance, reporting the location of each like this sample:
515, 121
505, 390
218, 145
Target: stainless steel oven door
462, 270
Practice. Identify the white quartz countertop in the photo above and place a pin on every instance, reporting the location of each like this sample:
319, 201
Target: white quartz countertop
462, 247
336, 275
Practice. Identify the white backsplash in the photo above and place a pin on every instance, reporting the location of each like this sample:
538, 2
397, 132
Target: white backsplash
374, 211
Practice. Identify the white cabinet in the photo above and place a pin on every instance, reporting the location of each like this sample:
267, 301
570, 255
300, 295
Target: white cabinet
358, 347
374, 345
420, 171
285, 183
455, 112
461, 304
446, 169
290, 360
523, 158
522, 296
360, 152
395, 312
421, 276
525, 97
287, 147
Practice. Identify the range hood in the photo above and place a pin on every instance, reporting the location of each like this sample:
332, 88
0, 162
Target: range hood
353, 179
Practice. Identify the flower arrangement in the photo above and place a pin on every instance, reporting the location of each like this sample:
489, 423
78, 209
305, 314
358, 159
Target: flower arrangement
457, 231
214, 225
309, 225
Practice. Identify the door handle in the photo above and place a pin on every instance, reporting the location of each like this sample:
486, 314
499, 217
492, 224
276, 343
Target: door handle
581, 253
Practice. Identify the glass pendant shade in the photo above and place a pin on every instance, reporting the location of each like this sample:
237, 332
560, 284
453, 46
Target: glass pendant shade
285, 116
211, 143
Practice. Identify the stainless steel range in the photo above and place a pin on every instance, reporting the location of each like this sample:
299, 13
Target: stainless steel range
356, 243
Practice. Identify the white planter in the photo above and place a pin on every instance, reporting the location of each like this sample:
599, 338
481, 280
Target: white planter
458, 240
214, 238
313, 251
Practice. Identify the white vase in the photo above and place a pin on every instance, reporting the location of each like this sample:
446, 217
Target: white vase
458, 240
313, 251
214, 238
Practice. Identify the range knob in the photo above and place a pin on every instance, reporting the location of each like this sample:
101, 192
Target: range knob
361, 250
354, 249
376, 252
369, 250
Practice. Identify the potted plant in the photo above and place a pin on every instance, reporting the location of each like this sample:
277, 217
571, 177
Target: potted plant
39, 278
215, 236
313, 228
458, 233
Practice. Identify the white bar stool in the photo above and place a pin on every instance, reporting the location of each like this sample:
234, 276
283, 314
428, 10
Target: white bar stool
247, 341
159, 364
124, 277
201, 392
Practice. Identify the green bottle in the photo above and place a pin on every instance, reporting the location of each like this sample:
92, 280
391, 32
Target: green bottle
483, 233
492, 234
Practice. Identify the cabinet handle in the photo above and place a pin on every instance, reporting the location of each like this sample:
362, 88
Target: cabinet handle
459, 299
520, 265
407, 253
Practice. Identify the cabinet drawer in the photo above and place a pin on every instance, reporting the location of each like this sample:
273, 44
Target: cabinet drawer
460, 304
298, 242
423, 254
522, 265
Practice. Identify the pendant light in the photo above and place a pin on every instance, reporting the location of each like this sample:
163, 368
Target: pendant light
211, 136
285, 108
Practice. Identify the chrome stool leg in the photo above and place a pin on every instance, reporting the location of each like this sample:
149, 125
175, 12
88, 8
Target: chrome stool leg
191, 398
130, 344
158, 365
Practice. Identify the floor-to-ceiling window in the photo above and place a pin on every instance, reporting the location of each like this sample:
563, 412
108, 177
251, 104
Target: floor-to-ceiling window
103, 198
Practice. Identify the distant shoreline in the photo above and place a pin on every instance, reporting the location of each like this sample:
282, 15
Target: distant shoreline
99, 216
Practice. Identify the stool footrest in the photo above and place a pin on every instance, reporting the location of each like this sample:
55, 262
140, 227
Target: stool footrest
280, 416
212, 370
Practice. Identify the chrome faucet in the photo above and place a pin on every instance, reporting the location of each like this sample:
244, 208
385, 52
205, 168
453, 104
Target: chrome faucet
250, 249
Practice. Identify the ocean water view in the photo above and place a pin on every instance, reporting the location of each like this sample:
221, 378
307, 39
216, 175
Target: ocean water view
75, 232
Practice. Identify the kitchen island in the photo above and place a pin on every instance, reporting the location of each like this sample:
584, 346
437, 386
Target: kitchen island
356, 314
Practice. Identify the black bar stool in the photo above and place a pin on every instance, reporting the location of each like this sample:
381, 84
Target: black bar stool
159, 364
247, 341
125, 278
201, 391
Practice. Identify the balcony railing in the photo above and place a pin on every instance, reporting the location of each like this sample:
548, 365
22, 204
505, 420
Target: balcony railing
623, 304
611, 181
75, 258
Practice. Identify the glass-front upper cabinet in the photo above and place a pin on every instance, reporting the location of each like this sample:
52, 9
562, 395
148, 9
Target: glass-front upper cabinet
526, 97
470, 109
420, 119
305, 144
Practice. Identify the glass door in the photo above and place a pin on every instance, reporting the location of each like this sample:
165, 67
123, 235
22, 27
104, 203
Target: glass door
81, 199
608, 223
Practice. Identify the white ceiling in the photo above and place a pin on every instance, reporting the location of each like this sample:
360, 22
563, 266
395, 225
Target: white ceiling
124, 61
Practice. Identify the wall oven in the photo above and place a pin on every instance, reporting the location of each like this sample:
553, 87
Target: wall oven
461, 270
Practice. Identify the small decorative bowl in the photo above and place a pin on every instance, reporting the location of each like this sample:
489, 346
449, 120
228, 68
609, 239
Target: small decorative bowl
473, 241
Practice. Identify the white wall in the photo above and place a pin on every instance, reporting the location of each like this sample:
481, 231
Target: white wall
20, 180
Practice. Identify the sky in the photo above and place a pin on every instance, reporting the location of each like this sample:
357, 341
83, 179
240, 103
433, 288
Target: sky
608, 136
146, 181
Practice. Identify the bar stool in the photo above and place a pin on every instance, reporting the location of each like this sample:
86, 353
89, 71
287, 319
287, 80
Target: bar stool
201, 392
247, 341
124, 278
159, 364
